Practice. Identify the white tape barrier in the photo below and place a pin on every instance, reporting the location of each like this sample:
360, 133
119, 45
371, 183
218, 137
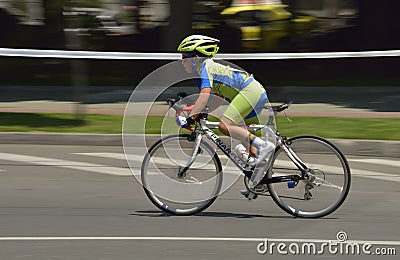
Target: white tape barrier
88, 54
175, 56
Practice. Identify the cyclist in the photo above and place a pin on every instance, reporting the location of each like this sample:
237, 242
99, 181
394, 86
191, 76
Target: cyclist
247, 96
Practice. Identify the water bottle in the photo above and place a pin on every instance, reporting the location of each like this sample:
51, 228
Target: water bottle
243, 154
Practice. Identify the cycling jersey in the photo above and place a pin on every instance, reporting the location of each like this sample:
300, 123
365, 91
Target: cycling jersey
224, 80
247, 95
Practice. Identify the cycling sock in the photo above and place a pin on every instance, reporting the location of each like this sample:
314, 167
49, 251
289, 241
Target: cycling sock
256, 141
251, 138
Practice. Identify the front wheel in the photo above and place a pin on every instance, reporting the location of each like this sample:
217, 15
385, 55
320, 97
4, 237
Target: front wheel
183, 195
327, 180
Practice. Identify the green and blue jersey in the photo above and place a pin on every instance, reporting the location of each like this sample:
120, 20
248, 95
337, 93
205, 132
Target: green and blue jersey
233, 83
224, 80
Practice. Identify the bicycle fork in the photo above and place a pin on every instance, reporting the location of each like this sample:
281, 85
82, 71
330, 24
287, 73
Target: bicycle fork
195, 151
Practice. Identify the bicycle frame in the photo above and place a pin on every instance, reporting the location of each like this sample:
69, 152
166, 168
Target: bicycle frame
205, 127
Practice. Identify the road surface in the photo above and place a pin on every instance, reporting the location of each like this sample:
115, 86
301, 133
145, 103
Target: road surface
81, 202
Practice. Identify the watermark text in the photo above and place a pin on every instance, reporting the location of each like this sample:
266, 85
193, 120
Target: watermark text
340, 246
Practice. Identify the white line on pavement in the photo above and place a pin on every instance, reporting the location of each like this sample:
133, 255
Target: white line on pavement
82, 166
386, 162
226, 239
139, 158
119, 171
119, 156
354, 172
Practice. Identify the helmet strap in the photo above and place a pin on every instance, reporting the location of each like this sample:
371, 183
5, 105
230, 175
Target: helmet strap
193, 62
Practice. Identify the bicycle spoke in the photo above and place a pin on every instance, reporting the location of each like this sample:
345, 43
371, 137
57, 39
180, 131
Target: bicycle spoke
327, 183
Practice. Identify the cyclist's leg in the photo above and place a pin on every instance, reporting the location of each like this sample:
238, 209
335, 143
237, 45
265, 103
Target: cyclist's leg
234, 116
253, 118
231, 128
243, 109
251, 142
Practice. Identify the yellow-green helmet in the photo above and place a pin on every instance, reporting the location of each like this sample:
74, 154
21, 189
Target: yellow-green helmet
203, 44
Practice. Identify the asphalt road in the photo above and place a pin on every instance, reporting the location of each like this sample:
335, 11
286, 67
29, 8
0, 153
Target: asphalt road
81, 202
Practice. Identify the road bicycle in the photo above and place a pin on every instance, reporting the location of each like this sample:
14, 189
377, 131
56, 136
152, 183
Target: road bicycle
182, 174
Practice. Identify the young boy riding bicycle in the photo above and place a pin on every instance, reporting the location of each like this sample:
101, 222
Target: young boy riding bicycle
247, 96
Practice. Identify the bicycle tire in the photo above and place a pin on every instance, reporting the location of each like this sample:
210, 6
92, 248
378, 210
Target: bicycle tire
335, 179
173, 207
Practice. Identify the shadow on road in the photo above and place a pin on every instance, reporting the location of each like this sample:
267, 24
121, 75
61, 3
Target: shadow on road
213, 214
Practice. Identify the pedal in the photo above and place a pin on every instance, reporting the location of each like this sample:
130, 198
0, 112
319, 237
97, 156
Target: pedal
248, 194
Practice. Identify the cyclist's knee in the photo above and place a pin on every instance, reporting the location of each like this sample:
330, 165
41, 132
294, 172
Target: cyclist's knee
225, 125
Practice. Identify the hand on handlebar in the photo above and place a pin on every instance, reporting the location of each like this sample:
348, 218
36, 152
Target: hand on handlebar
184, 122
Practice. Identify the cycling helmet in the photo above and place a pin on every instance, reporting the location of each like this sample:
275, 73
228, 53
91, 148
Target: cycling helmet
203, 44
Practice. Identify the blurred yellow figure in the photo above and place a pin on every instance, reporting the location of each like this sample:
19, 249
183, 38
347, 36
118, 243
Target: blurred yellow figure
264, 26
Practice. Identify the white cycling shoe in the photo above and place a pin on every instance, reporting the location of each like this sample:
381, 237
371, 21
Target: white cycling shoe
249, 194
261, 189
261, 163
262, 155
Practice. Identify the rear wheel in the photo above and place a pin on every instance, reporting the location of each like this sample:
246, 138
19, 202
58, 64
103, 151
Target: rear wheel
326, 184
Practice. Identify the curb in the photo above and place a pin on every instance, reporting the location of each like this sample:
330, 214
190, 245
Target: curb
381, 148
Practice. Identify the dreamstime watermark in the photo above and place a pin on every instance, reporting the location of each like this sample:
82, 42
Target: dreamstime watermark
340, 246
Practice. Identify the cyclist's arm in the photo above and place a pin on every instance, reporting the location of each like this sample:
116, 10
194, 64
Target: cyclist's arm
201, 101
215, 101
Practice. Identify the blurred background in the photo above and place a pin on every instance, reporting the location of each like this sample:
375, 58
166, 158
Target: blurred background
243, 26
